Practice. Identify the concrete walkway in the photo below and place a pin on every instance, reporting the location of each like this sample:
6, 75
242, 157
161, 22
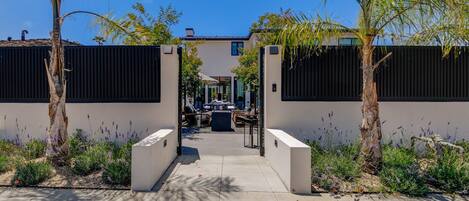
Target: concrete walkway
217, 166
22, 194
211, 177
220, 143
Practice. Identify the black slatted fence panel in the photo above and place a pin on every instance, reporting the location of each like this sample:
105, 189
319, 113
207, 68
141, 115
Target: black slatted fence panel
412, 73
96, 74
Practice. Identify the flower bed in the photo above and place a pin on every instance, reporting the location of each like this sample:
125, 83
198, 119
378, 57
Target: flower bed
336, 169
90, 164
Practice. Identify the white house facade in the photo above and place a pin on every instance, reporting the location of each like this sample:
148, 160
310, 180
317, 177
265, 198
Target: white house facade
220, 55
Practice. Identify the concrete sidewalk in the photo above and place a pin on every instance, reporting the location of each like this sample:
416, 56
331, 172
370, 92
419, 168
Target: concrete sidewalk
22, 194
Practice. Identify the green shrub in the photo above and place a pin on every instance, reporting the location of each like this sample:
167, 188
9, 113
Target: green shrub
400, 172
31, 173
404, 180
328, 165
345, 168
117, 172
4, 164
464, 144
91, 160
125, 151
35, 149
9, 149
402, 157
349, 151
450, 173
77, 143
84, 165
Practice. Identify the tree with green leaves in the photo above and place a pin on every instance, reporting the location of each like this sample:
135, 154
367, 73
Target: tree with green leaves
267, 28
190, 69
57, 148
414, 22
248, 69
145, 28
269, 25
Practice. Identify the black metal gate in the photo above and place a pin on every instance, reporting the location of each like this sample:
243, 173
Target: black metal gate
180, 90
261, 101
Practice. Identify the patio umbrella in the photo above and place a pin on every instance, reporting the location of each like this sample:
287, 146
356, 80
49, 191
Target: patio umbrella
207, 79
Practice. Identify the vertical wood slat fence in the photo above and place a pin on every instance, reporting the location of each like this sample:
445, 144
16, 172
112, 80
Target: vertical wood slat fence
94, 74
412, 73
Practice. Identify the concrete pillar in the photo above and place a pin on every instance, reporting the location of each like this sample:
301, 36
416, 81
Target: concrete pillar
169, 87
272, 75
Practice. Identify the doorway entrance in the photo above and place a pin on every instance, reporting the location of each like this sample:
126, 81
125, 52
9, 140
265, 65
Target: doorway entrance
216, 163
221, 128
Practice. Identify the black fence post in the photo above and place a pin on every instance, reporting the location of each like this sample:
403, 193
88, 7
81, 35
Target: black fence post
261, 101
179, 149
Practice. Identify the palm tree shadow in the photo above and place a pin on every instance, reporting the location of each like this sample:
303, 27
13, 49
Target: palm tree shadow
198, 187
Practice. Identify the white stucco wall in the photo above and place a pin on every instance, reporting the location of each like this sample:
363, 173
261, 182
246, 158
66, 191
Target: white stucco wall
339, 121
160, 147
216, 57
290, 158
24, 121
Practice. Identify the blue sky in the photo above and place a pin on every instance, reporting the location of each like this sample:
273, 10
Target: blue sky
207, 17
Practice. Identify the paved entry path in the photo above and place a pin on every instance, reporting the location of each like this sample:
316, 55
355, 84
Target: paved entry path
217, 166
220, 144
221, 178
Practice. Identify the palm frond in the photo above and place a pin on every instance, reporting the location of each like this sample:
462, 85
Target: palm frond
311, 34
112, 26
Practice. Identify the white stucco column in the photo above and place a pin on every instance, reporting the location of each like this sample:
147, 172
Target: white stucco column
206, 94
169, 87
232, 89
272, 76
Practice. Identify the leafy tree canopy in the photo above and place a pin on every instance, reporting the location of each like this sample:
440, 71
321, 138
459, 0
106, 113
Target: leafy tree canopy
268, 26
190, 68
144, 28
248, 69
139, 27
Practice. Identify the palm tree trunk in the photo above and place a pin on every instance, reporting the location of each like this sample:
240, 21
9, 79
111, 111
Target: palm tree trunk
371, 125
57, 147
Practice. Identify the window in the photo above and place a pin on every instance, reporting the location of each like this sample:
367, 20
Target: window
236, 47
348, 41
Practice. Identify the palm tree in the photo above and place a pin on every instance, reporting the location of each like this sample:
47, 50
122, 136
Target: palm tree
421, 22
57, 148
